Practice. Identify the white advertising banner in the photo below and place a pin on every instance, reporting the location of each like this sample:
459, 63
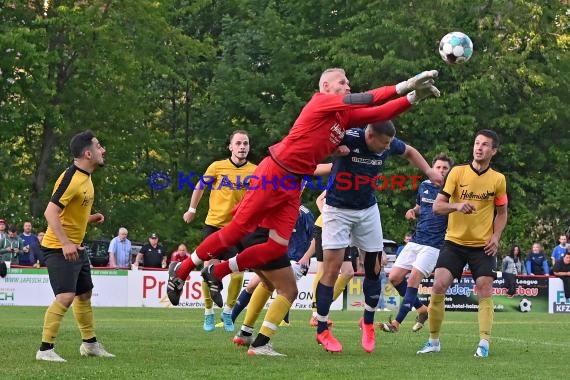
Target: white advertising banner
148, 289
556, 301
30, 287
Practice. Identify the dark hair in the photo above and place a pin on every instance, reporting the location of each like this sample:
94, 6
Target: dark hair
383, 128
443, 157
237, 131
512, 253
490, 134
81, 142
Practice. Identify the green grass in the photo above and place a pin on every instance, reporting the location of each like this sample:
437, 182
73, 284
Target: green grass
170, 344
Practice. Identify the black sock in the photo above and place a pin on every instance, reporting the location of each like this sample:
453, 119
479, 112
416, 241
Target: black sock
46, 346
91, 340
260, 340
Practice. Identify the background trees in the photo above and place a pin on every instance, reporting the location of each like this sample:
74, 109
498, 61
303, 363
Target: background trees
163, 83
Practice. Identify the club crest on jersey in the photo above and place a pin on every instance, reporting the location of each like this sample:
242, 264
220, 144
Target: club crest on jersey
336, 134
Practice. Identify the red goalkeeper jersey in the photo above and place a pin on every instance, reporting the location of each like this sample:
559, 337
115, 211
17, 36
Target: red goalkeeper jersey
321, 125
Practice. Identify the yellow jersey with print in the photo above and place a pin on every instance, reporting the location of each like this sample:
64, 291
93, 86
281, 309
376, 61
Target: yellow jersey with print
484, 190
74, 194
228, 183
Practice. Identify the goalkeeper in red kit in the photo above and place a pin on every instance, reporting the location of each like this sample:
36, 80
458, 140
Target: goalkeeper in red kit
273, 198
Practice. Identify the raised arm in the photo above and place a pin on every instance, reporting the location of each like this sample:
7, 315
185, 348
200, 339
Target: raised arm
416, 159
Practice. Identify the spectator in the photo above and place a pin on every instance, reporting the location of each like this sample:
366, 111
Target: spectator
562, 271
536, 262
513, 265
152, 255
3, 233
559, 250
407, 238
36, 249
12, 247
27, 235
30, 239
120, 250
180, 254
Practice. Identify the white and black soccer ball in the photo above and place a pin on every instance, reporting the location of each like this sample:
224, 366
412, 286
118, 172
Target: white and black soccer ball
525, 305
455, 47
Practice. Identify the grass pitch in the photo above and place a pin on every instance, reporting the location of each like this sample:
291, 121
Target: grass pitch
170, 344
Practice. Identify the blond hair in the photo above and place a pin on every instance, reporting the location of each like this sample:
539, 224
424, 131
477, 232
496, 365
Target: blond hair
326, 75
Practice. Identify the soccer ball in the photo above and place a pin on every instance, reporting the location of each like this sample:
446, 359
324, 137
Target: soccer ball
455, 47
525, 305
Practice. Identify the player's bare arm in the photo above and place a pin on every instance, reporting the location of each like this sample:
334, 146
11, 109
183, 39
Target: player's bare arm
194, 201
52, 217
96, 218
499, 225
442, 206
323, 169
413, 213
321, 201
416, 159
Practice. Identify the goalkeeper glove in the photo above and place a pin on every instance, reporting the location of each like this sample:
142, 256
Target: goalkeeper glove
416, 96
416, 82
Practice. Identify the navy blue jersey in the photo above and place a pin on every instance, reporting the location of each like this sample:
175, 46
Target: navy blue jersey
344, 191
302, 234
430, 228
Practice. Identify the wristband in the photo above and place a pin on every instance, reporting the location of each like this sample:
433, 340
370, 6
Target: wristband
191, 209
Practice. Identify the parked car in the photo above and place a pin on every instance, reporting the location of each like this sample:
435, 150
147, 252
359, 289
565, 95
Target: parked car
98, 252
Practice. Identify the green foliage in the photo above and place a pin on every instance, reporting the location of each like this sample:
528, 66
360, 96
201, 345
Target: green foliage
164, 83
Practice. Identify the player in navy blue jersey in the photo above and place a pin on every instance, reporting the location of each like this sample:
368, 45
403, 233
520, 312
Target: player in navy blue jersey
351, 217
419, 256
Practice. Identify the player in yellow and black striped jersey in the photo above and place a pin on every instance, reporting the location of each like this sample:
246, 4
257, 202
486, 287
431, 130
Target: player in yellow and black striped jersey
228, 182
475, 198
67, 215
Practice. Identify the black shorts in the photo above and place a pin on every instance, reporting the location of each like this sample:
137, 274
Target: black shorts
207, 230
349, 252
281, 262
68, 276
453, 257
260, 235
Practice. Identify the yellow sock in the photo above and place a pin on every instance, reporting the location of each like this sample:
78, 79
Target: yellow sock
316, 280
258, 300
208, 303
52, 320
83, 313
485, 316
277, 310
339, 285
436, 310
234, 289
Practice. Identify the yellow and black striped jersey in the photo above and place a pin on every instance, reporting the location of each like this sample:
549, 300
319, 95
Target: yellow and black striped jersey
228, 183
484, 190
74, 193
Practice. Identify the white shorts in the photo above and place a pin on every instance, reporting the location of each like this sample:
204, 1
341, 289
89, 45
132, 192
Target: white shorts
357, 228
421, 257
